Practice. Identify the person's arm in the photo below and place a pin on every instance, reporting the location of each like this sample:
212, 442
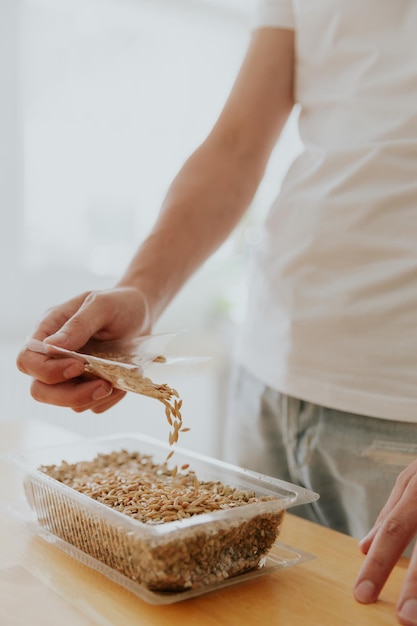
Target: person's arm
393, 530
215, 186
203, 205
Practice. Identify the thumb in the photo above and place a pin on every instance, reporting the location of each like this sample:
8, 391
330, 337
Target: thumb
79, 328
65, 339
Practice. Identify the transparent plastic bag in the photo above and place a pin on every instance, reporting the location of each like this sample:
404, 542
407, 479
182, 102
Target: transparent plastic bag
123, 362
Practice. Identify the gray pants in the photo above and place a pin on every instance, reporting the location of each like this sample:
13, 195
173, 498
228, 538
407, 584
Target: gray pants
352, 461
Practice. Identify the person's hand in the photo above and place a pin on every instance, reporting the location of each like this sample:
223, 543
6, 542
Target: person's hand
394, 528
118, 313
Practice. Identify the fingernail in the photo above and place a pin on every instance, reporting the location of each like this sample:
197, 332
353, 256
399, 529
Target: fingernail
365, 592
73, 370
102, 392
409, 611
59, 338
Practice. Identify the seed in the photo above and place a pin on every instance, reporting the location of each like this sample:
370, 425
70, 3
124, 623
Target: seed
137, 486
168, 415
109, 366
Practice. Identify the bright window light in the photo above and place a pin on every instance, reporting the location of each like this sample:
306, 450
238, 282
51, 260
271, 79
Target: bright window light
116, 94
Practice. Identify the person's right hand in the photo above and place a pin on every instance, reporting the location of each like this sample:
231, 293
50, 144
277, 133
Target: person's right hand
118, 313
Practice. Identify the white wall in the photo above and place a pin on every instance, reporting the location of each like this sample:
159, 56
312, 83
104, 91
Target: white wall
41, 182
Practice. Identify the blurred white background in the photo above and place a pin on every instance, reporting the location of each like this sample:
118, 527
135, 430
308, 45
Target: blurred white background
101, 101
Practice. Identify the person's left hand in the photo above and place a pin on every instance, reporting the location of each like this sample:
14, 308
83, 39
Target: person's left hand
394, 528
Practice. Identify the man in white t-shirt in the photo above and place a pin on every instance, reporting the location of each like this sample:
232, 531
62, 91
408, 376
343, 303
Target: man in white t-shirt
326, 389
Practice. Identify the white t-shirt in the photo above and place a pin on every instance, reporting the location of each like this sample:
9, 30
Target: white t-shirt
332, 313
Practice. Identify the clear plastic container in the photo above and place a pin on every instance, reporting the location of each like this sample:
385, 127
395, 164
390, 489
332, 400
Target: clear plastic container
166, 562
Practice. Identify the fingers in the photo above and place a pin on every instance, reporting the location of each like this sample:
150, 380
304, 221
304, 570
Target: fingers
105, 404
69, 325
395, 497
388, 540
91, 316
407, 605
77, 393
40, 366
366, 543
112, 314
47, 370
57, 316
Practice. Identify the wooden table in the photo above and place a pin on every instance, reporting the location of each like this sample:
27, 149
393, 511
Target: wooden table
42, 586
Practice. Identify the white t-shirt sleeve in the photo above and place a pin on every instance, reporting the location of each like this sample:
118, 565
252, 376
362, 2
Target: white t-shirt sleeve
274, 13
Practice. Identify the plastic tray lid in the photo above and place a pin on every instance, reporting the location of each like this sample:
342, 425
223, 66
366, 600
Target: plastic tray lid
206, 467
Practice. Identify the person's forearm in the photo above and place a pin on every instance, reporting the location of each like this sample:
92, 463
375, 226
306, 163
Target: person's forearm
203, 205
217, 183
